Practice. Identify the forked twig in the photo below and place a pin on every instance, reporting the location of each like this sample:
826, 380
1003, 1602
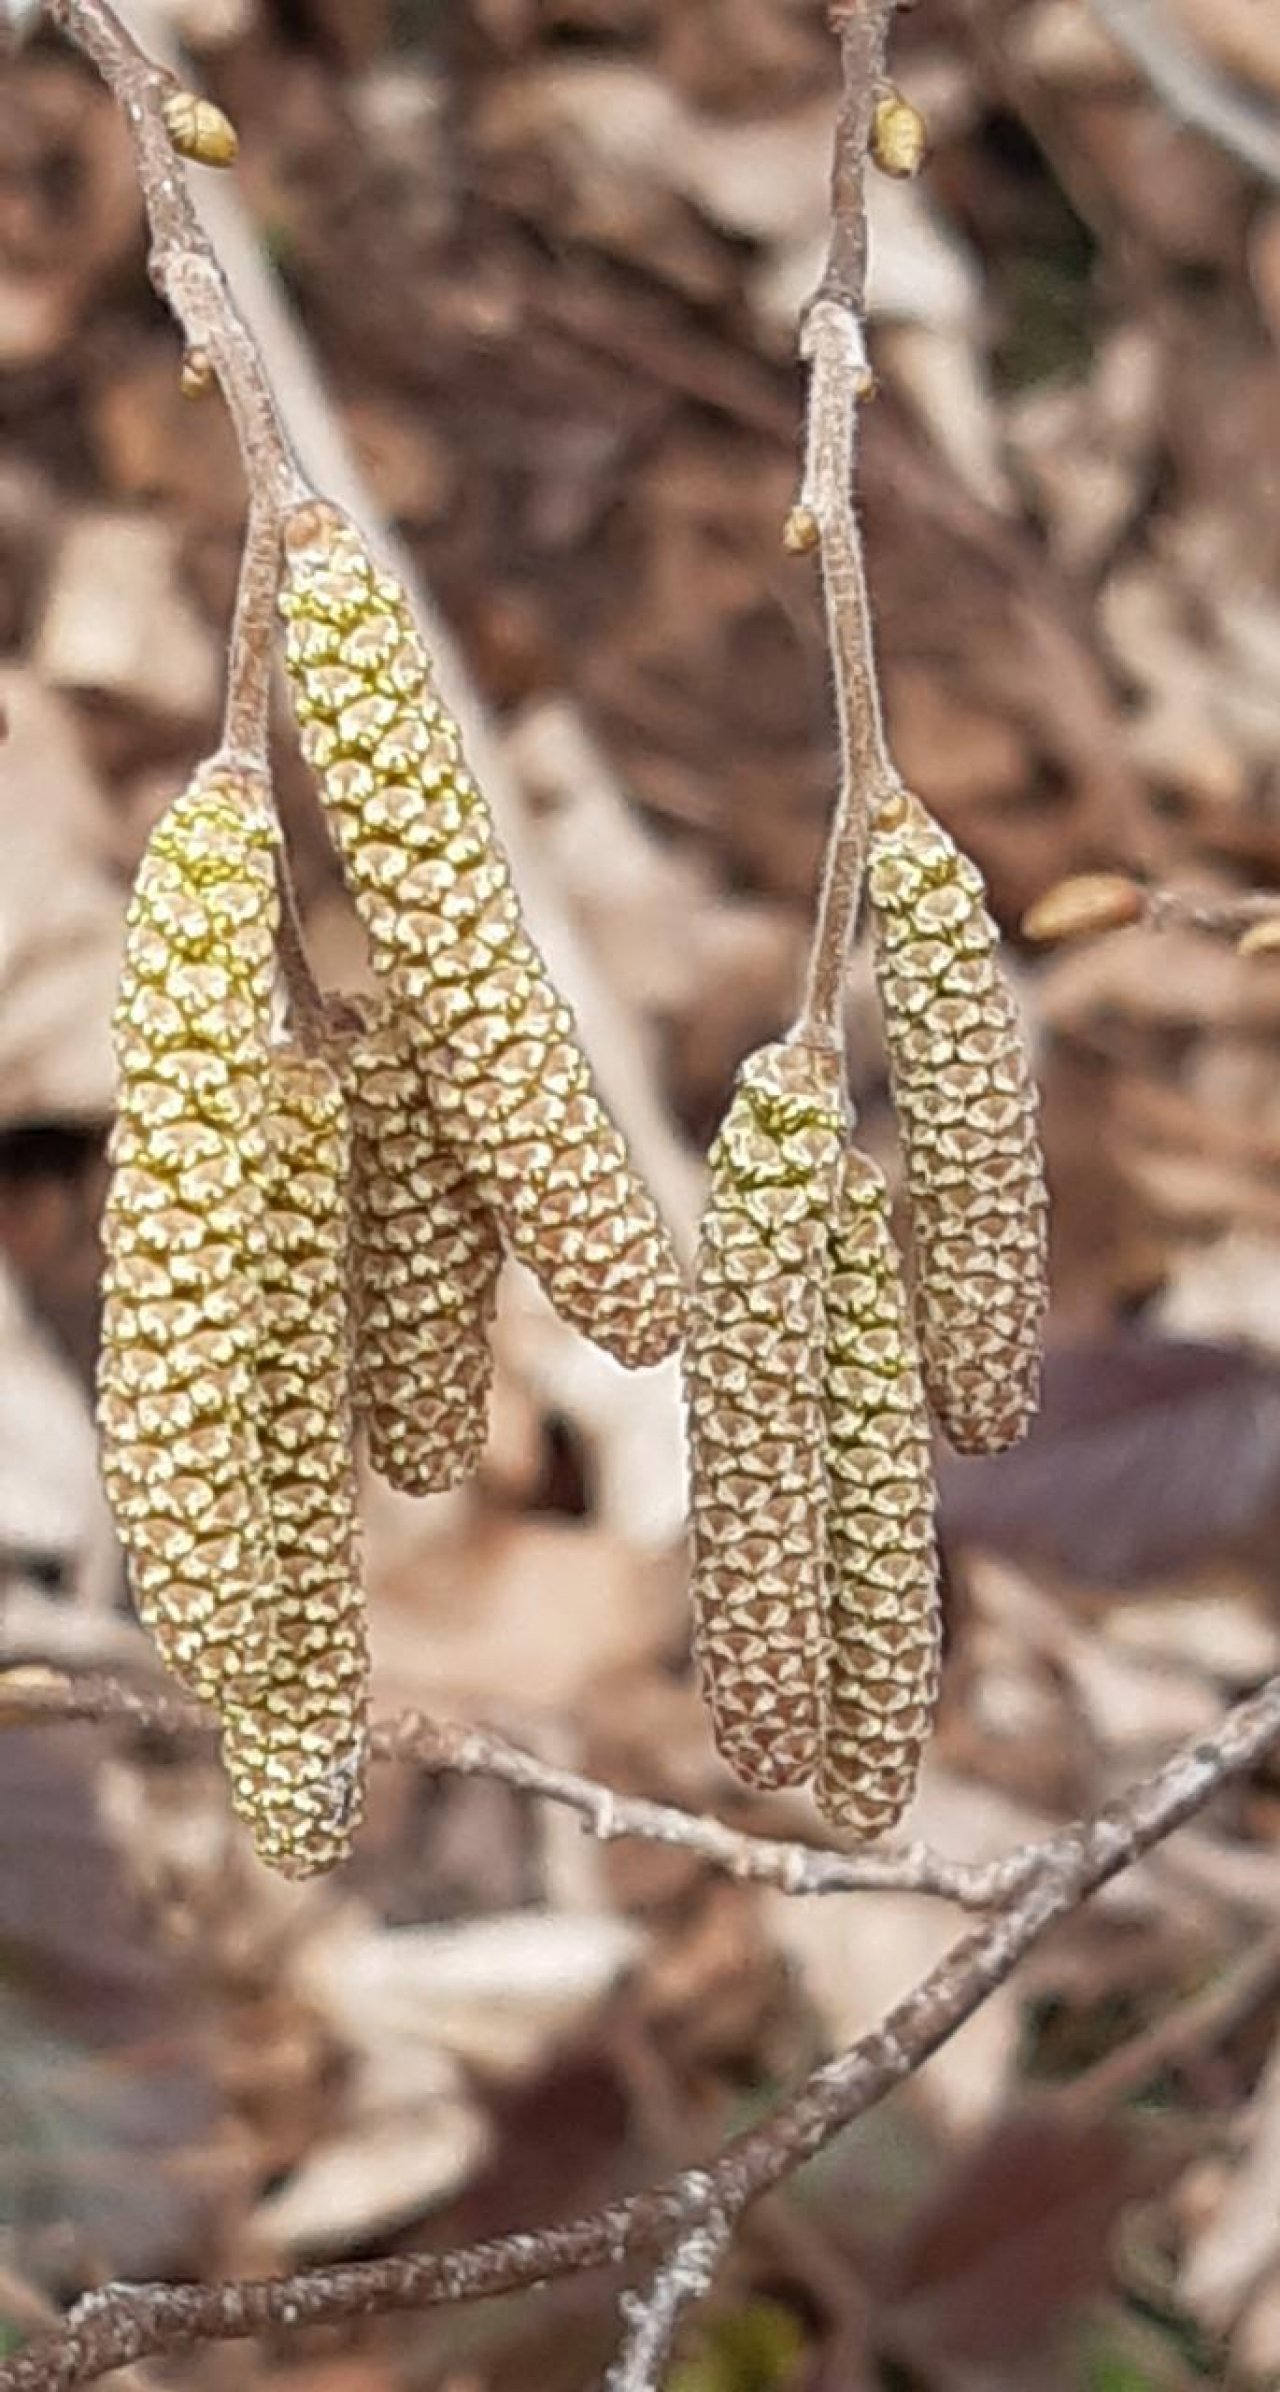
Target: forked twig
123, 2323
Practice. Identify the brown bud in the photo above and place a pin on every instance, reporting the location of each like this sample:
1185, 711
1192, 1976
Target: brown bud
295, 1754
184, 1234
754, 1364
899, 140
1261, 938
198, 130
882, 1617
196, 378
1082, 906
509, 1084
427, 1258
967, 1109
802, 532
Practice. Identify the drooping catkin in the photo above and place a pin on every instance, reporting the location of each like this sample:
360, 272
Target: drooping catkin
882, 1617
426, 1258
184, 1235
509, 1083
295, 1753
754, 1363
966, 1103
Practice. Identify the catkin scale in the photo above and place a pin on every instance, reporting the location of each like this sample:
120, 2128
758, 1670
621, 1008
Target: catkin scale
184, 1236
509, 1084
295, 1753
754, 1367
426, 1258
966, 1105
882, 1619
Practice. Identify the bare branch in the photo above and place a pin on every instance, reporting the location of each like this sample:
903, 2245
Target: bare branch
444, 1747
1191, 88
653, 2317
124, 2323
833, 345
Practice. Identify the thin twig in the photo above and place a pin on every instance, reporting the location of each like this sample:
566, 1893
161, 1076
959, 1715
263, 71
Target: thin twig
653, 2317
127, 2322
181, 262
445, 1747
187, 275
246, 724
1191, 88
833, 346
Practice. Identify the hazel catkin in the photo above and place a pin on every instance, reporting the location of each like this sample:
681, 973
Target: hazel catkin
426, 1258
295, 1753
882, 1618
184, 1235
509, 1084
966, 1104
754, 1363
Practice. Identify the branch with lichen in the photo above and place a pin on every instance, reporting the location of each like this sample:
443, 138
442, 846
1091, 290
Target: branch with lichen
120, 2324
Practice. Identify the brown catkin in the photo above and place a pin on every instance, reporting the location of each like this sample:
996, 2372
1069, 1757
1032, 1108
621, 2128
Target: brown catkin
966, 1103
882, 1572
754, 1365
509, 1083
295, 1754
426, 1262
184, 1235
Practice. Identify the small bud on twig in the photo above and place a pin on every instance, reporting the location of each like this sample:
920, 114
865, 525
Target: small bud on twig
1083, 905
198, 130
1261, 938
801, 533
196, 378
899, 139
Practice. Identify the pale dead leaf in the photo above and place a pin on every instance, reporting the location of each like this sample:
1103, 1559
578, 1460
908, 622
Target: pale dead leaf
118, 624
1240, 2243
61, 919
495, 1994
510, 1619
400, 2153
52, 1510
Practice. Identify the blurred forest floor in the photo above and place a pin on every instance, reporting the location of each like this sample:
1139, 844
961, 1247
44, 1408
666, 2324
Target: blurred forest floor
549, 254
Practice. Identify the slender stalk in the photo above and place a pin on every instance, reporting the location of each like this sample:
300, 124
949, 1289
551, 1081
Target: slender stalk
181, 262
833, 345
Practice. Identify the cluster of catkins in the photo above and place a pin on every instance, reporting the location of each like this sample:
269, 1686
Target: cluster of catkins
303, 1233
811, 1375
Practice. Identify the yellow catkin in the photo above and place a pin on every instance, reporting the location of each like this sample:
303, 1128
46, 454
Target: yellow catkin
755, 1374
184, 1236
295, 1754
882, 1572
967, 1108
426, 1257
509, 1084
